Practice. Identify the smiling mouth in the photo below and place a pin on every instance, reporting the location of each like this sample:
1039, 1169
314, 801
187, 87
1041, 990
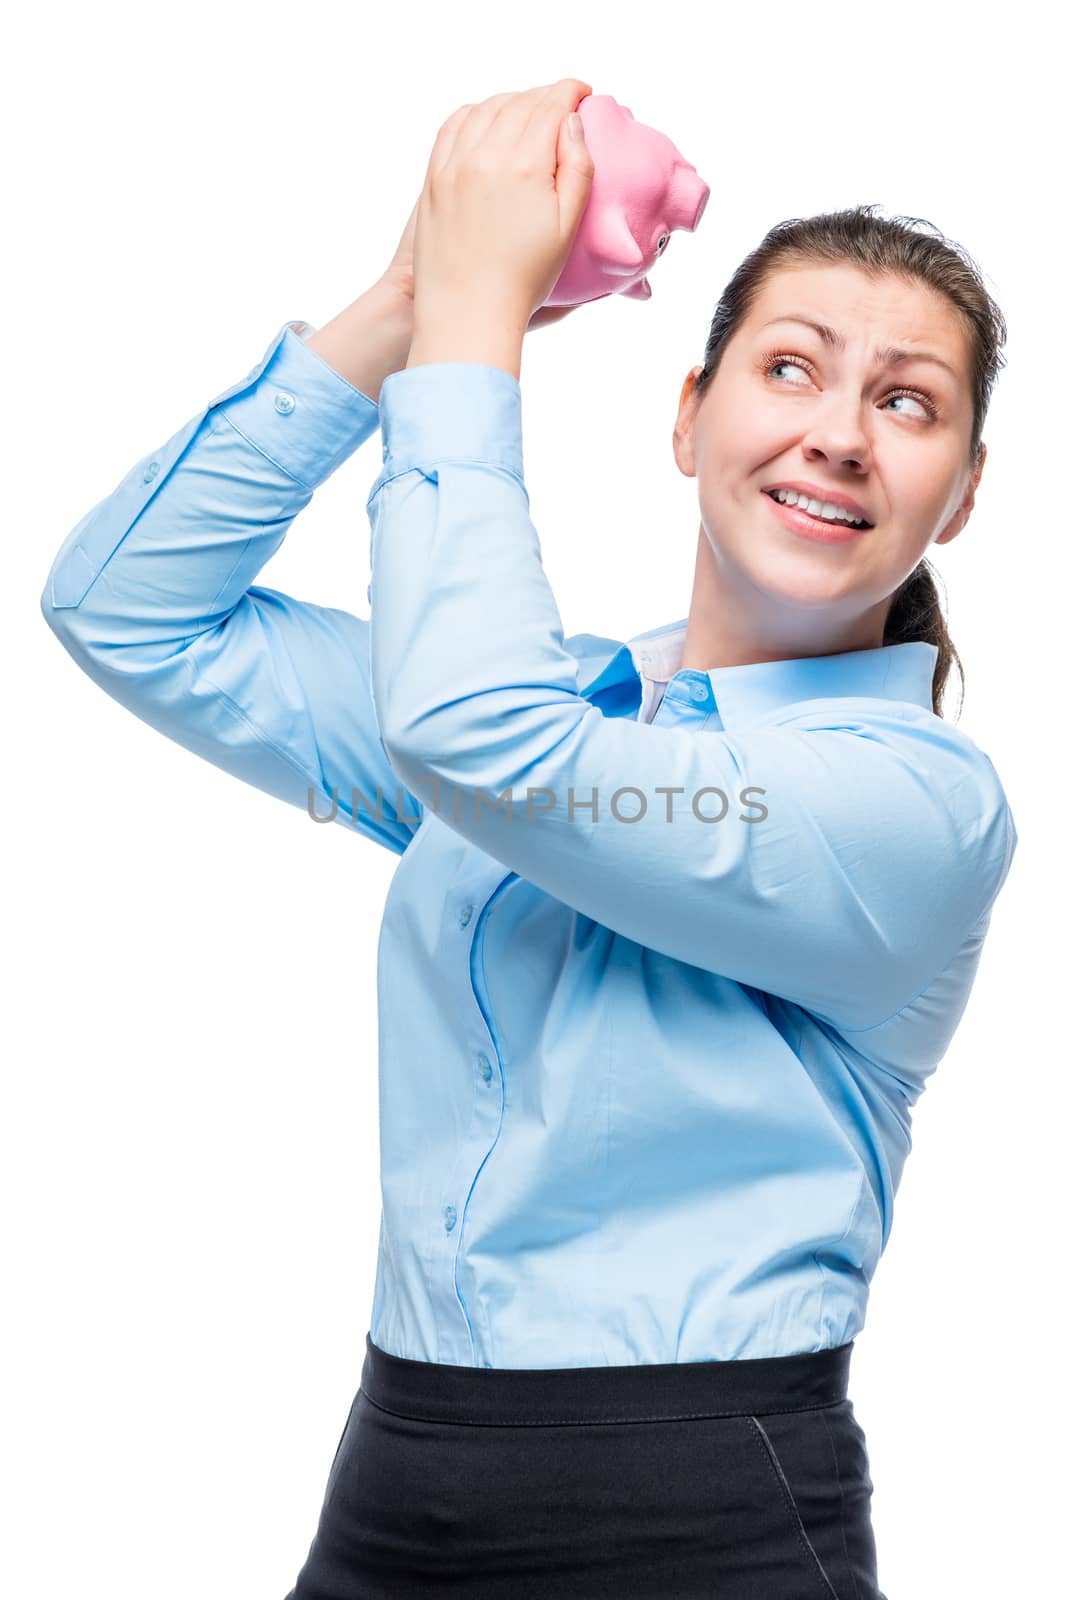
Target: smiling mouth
840, 523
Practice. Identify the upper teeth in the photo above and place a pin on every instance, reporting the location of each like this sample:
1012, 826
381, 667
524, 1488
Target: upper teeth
815, 508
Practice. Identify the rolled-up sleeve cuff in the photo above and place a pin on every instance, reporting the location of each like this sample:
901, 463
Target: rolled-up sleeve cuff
301, 413
449, 411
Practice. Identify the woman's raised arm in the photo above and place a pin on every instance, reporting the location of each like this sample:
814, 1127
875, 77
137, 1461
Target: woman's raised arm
152, 592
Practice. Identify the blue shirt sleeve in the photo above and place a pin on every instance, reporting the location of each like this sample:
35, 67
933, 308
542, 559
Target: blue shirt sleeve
152, 595
885, 834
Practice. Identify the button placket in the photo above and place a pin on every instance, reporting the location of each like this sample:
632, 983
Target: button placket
455, 1331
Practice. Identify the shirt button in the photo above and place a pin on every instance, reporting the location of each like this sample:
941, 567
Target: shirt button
151, 470
284, 402
484, 1065
465, 916
450, 1218
699, 691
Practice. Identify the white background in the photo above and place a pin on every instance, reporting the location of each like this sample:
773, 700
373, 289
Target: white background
189, 1158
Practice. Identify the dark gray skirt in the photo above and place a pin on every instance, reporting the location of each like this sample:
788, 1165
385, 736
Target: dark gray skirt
702, 1480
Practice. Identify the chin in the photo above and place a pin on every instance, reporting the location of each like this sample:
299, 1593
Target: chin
805, 590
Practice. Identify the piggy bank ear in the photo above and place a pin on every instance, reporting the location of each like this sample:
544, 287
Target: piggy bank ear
638, 291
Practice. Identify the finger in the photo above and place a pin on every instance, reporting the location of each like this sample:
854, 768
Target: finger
541, 129
505, 115
578, 88
477, 125
532, 113
446, 139
552, 108
545, 316
514, 120
510, 114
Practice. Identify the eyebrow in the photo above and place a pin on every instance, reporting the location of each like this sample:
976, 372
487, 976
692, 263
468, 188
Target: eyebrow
890, 356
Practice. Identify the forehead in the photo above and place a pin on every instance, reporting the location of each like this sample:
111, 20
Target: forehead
865, 310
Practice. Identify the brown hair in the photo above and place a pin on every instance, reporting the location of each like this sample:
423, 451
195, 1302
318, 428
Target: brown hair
878, 246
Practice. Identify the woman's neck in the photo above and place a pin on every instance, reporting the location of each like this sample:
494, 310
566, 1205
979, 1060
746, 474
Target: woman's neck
727, 627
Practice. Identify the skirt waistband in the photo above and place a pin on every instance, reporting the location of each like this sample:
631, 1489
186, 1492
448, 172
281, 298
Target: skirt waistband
657, 1392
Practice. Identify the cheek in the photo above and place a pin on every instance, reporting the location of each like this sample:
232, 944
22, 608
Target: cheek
732, 464
751, 436
739, 433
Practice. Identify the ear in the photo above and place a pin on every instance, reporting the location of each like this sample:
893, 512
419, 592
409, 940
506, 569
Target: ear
956, 523
682, 436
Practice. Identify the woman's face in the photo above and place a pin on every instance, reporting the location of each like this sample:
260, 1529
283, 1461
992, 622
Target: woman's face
784, 406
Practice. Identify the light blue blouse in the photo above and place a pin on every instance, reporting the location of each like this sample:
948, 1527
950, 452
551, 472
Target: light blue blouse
659, 980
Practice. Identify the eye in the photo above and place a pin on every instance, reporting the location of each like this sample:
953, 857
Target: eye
661, 243
782, 361
926, 401
905, 394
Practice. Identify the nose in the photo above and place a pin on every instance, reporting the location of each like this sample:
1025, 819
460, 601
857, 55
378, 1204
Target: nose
838, 438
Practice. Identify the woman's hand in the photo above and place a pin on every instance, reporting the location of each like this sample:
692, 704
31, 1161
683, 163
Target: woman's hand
399, 278
504, 194
400, 274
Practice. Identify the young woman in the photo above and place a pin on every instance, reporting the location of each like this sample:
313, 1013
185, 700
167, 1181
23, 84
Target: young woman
679, 927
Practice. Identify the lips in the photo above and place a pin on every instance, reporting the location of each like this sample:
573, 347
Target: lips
814, 491
800, 522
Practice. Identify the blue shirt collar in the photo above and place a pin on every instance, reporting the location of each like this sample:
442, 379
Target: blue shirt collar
748, 693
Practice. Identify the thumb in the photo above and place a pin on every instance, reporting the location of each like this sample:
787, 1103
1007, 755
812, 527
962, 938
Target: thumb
574, 172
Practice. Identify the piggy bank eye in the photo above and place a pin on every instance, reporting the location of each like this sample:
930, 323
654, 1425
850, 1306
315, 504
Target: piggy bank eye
662, 241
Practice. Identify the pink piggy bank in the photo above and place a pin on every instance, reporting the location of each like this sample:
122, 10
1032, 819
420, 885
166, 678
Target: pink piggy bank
643, 189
